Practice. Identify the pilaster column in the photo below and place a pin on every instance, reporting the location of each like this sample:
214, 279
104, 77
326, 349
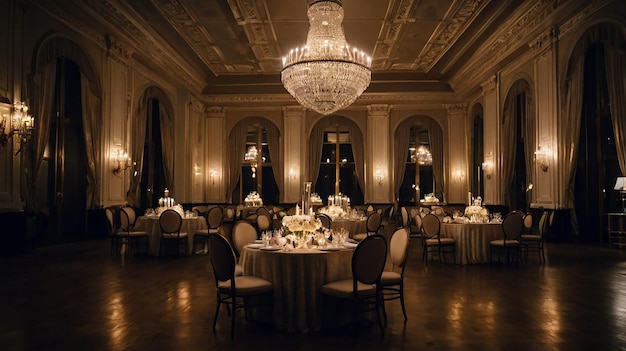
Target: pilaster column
491, 133
377, 165
458, 171
216, 139
294, 160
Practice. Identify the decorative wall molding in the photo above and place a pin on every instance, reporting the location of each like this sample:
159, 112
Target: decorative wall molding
459, 109
591, 8
489, 86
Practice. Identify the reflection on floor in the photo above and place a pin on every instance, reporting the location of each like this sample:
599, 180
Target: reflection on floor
80, 297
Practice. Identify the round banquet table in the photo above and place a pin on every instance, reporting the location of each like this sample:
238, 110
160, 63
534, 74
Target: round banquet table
351, 225
151, 225
297, 277
472, 240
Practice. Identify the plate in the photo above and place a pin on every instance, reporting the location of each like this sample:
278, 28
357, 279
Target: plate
270, 248
350, 245
258, 241
255, 246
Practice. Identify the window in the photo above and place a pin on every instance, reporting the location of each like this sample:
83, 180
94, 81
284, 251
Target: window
418, 175
337, 168
256, 168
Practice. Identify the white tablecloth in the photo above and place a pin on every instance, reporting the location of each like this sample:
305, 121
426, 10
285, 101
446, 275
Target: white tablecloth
472, 240
151, 225
297, 277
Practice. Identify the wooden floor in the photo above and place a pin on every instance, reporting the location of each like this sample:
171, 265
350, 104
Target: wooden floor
80, 297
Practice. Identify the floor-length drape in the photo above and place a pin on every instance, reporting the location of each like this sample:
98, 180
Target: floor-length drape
356, 141
529, 138
401, 152
435, 133
167, 140
44, 84
237, 143
316, 144
92, 127
508, 146
138, 139
615, 61
273, 144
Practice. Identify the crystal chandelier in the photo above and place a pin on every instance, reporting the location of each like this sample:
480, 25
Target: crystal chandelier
326, 75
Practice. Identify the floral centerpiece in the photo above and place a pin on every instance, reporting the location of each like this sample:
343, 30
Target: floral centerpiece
300, 229
333, 211
477, 214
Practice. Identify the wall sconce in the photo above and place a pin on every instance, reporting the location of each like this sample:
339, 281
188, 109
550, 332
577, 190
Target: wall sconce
292, 173
379, 175
213, 175
542, 156
123, 162
488, 166
21, 125
459, 175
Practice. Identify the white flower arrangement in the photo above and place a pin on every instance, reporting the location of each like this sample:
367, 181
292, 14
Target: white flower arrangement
477, 214
333, 211
301, 229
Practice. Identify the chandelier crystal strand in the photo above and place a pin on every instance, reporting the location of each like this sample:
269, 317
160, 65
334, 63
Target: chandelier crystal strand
326, 75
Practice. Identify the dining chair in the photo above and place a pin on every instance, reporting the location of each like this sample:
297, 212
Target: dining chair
214, 218
231, 287
534, 242
404, 215
528, 223
364, 289
392, 281
263, 219
133, 238
242, 234
325, 219
433, 243
415, 230
512, 228
171, 223
113, 228
372, 226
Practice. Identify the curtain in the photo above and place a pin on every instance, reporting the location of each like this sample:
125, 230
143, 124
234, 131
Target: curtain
401, 152
167, 140
508, 146
529, 137
316, 144
44, 84
273, 144
356, 139
436, 148
615, 61
138, 139
237, 141
92, 127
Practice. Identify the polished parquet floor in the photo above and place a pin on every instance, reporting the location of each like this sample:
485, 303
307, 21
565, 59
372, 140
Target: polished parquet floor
80, 297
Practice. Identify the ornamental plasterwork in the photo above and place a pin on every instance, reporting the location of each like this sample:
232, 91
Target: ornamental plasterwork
382, 50
449, 31
544, 41
148, 44
456, 109
188, 27
489, 86
508, 40
580, 16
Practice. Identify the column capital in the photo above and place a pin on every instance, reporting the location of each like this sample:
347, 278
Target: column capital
489, 86
379, 109
215, 111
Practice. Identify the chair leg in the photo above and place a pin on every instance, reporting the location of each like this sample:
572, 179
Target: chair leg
402, 300
232, 320
217, 311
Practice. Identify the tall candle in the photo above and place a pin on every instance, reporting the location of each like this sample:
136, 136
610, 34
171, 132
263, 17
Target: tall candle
469, 198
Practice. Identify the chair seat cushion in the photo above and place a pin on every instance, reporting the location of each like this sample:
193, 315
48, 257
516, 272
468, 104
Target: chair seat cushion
247, 285
344, 289
173, 235
444, 241
390, 278
533, 237
201, 232
136, 233
501, 243
359, 236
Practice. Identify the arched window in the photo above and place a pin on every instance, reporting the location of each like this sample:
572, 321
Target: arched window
256, 174
418, 177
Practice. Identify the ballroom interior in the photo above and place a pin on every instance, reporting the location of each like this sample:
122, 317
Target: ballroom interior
107, 104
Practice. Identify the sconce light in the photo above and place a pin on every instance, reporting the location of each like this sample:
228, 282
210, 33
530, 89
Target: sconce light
488, 166
122, 161
379, 175
542, 156
213, 175
21, 125
459, 175
292, 173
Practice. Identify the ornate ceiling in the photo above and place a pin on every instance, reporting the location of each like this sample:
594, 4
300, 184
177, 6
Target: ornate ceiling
226, 47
